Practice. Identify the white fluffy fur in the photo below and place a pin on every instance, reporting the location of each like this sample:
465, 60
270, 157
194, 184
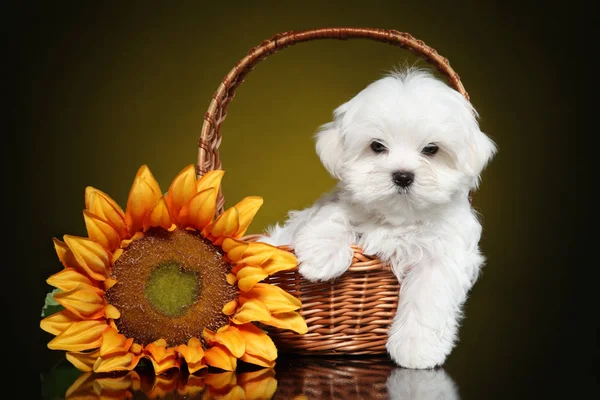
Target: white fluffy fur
428, 232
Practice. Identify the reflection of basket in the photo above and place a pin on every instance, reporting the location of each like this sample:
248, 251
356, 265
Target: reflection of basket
352, 315
342, 378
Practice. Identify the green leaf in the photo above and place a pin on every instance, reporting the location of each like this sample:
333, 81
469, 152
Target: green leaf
51, 306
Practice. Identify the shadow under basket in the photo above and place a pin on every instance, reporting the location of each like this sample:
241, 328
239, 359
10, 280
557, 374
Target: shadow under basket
352, 314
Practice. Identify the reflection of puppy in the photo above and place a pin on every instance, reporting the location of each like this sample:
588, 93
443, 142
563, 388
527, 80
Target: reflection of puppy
406, 150
408, 384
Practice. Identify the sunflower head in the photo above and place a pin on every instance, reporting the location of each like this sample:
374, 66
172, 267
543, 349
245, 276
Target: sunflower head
169, 281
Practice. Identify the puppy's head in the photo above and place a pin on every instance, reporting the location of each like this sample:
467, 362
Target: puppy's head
406, 142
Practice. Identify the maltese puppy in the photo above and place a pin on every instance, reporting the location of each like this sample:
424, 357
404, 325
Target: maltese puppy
407, 151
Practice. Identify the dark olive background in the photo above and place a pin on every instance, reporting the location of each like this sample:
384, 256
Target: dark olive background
103, 89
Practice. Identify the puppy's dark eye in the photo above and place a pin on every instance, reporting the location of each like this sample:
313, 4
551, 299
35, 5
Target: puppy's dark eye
378, 147
430, 149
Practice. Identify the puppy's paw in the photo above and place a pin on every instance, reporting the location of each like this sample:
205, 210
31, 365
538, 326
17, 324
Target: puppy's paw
417, 346
321, 260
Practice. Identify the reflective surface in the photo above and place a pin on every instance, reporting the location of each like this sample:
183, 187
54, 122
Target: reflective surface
297, 379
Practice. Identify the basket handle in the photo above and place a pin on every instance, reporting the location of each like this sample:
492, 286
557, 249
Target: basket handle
210, 135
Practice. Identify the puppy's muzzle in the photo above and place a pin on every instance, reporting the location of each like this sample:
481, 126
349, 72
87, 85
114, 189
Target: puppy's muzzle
403, 178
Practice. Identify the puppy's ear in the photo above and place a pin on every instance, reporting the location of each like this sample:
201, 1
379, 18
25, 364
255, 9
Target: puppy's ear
330, 147
480, 150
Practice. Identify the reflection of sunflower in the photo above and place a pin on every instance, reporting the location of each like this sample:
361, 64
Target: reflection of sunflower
253, 385
158, 281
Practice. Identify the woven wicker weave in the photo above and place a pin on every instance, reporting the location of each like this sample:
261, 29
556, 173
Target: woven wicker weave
352, 315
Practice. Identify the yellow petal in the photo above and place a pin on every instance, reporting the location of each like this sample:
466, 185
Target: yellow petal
68, 279
251, 359
181, 190
260, 389
258, 342
232, 339
235, 393
83, 361
159, 216
112, 312
251, 310
199, 210
114, 342
219, 357
116, 362
59, 322
289, 320
109, 282
101, 231
281, 260
229, 308
142, 198
234, 248
231, 279
250, 276
273, 297
80, 336
100, 204
145, 173
226, 225
90, 256
83, 301
210, 180
247, 209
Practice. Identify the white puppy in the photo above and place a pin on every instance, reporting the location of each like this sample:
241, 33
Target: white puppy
407, 150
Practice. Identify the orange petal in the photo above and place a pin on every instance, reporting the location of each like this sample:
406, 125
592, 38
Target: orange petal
273, 297
101, 231
250, 276
112, 312
200, 210
229, 308
159, 216
258, 254
251, 310
193, 353
114, 343
65, 255
210, 180
162, 358
117, 362
100, 204
182, 189
232, 339
68, 279
80, 336
59, 322
258, 342
289, 320
219, 357
261, 388
83, 361
251, 359
142, 197
247, 209
90, 256
83, 301
234, 393
226, 225
145, 173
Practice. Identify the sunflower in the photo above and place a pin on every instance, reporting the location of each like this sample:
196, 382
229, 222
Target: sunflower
168, 281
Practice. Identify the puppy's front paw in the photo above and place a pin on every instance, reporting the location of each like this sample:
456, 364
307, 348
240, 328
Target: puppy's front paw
321, 260
417, 346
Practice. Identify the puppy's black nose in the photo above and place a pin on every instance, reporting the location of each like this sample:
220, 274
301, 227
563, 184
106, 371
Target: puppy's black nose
403, 178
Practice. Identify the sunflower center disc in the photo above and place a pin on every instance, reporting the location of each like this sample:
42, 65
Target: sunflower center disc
171, 290
170, 285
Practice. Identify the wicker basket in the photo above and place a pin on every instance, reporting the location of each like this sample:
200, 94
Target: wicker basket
352, 315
